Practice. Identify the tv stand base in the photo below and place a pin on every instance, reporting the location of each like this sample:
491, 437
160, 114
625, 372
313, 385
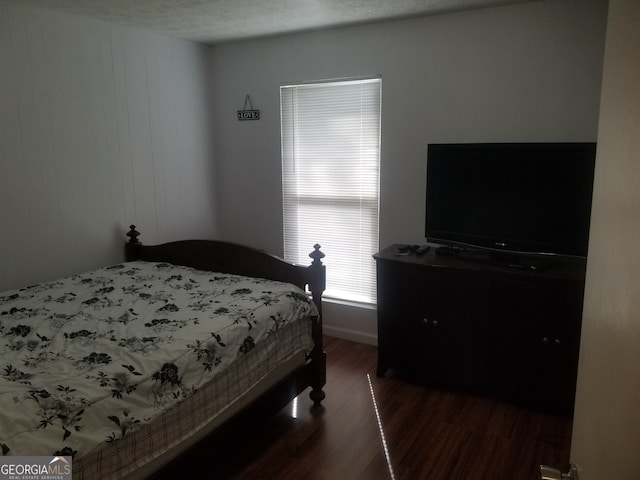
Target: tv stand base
521, 262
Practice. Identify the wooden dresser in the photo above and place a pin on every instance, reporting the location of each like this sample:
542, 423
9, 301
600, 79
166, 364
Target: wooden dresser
477, 327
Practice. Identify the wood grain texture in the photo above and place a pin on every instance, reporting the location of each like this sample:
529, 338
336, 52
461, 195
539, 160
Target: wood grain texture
430, 434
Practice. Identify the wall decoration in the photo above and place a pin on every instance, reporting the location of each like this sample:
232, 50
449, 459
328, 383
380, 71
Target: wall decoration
250, 114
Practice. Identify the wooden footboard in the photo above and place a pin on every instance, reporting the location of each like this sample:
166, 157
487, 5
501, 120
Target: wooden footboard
225, 257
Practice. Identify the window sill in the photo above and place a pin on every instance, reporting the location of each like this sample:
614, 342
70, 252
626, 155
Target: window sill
350, 303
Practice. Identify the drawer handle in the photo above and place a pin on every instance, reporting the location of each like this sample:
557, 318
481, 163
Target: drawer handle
429, 323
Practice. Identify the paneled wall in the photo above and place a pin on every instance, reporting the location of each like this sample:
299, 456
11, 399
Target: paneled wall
100, 127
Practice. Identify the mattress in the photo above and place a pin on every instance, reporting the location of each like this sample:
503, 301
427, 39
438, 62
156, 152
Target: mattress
120, 366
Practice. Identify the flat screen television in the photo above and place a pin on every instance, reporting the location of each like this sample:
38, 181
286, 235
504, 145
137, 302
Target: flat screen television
529, 199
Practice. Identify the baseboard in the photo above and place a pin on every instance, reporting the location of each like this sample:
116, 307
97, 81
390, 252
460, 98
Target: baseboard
353, 335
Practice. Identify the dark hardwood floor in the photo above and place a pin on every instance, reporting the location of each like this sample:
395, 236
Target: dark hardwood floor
430, 434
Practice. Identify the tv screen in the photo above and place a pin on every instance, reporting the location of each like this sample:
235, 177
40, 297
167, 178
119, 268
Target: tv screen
522, 198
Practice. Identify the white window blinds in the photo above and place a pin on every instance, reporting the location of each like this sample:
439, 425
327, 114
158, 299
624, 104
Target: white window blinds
330, 164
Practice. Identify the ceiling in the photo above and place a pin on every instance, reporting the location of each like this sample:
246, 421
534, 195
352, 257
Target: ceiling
216, 21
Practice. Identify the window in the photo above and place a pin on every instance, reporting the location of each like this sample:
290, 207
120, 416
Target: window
330, 178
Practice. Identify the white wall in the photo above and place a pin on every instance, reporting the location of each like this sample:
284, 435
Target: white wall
528, 72
606, 432
100, 127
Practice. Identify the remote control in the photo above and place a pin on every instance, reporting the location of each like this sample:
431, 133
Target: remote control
422, 249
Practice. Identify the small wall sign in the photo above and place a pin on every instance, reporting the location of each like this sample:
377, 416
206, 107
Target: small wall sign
250, 114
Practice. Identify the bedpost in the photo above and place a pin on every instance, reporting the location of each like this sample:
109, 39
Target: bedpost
319, 276
319, 356
130, 248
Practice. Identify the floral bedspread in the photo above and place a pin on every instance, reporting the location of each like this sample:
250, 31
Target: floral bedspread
87, 359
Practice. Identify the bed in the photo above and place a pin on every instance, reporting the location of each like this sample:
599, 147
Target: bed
127, 367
